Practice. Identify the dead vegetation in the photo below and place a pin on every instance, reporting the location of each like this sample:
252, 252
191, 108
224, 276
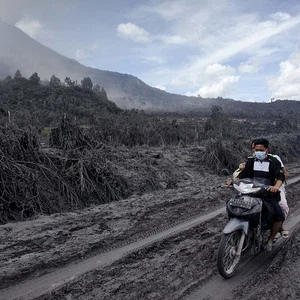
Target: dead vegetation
40, 182
80, 168
219, 154
75, 174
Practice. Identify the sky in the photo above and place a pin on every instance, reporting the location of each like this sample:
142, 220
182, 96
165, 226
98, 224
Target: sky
247, 50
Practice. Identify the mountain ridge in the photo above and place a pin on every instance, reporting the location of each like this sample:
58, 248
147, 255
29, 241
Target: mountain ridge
20, 51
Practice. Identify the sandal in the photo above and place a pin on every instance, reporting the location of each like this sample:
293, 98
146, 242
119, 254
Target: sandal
284, 234
269, 246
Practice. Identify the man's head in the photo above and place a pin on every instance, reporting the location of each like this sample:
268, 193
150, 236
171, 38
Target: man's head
260, 148
261, 144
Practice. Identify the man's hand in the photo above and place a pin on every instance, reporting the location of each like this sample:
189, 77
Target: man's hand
273, 189
228, 182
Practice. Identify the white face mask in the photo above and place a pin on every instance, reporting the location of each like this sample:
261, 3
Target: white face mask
260, 155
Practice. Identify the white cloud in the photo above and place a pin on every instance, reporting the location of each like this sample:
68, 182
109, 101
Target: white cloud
246, 67
221, 87
217, 69
85, 53
268, 51
263, 31
31, 27
281, 16
168, 10
171, 39
248, 39
250, 100
218, 80
179, 82
138, 34
80, 54
94, 46
287, 84
163, 88
209, 36
133, 32
263, 56
156, 59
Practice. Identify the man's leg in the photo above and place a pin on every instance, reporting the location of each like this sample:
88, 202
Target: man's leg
274, 230
285, 209
283, 203
278, 220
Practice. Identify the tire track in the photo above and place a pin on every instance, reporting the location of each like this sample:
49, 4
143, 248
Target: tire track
249, 267
35, 287
30, 289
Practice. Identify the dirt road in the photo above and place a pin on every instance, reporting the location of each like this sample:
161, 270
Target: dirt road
46, 283
181, 258
250, 268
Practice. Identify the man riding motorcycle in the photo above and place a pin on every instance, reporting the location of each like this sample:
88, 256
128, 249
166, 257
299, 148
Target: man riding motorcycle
266, 169
283, 201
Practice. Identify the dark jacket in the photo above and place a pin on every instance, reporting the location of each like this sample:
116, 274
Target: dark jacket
275, 170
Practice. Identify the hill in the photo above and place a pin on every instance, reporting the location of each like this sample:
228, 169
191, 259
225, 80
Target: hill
19, 51
31, 103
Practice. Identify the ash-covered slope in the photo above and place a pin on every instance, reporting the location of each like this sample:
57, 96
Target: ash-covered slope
20, 51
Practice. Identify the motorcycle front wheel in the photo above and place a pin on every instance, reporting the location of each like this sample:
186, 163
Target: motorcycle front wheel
228, 260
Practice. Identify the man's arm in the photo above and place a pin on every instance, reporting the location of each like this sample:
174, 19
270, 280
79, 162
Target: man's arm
275, 188
244, 173
285, 172
278, 174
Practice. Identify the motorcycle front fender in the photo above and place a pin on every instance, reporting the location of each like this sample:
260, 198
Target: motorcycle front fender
236, 224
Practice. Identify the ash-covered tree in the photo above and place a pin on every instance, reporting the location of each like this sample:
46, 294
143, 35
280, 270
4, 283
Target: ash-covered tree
69, 82
54, 81
18, 74
34, 78
87, 83
97, 88
100, 90
8, 78
103, 93
218, 125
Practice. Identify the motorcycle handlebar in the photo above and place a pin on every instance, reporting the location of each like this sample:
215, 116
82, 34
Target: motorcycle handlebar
264, 188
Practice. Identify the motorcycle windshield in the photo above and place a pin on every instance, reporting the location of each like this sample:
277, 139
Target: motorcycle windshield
248, 186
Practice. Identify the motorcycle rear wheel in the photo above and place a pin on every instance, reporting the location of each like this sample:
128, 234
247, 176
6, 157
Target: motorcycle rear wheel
228, 260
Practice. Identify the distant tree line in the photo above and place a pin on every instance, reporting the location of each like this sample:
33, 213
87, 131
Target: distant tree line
86, 82
31, 102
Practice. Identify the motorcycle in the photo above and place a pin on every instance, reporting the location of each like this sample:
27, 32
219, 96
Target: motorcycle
250, 221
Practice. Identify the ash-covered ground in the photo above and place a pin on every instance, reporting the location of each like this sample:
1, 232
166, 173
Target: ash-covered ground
167, 269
